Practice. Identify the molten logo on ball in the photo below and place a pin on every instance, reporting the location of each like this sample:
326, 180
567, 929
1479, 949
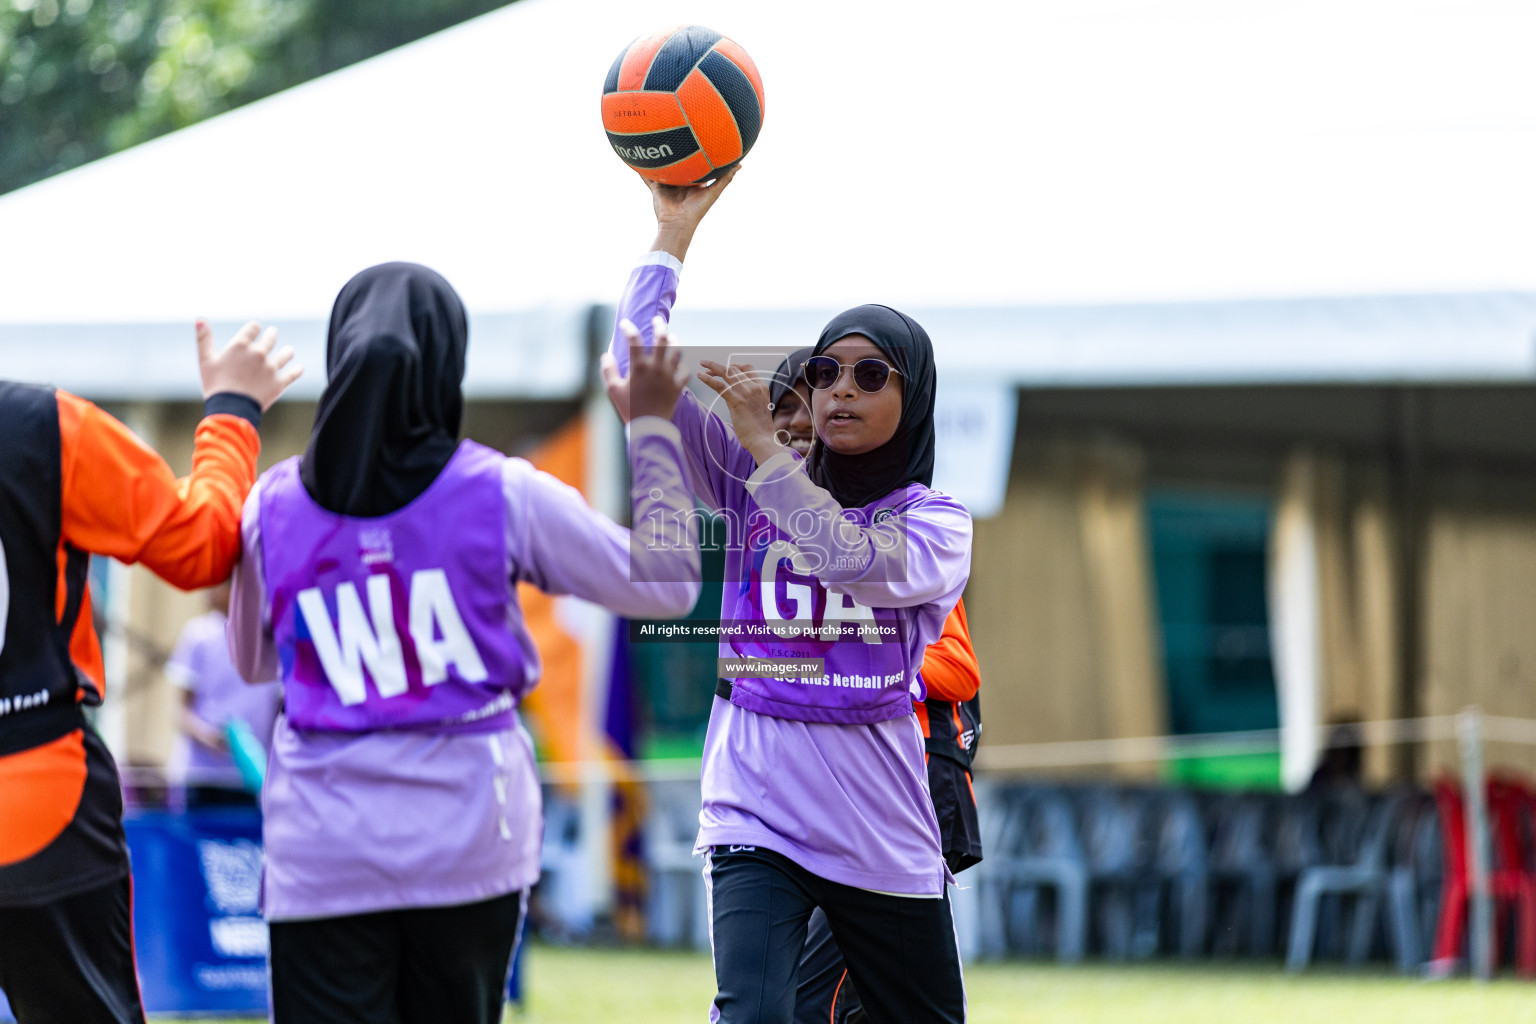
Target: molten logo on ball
633, 153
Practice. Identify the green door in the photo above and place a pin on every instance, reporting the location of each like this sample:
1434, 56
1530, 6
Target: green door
1209, 563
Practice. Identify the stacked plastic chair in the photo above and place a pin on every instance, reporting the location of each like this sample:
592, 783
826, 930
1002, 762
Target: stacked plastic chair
676, 912
1511, 884
1117, 844
1511, 804
1180, 873
1032, 848
1415, 883
561, 906
1242, 876
1361, 872
1133, 871
1296, 845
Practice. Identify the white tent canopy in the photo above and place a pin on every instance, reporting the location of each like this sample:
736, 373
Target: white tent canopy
1070, 192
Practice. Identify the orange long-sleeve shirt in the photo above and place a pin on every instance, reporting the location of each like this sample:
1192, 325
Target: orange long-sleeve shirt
949, 665
120, 498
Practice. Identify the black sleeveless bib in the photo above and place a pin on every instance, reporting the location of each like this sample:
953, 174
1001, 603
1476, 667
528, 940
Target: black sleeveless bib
39, 684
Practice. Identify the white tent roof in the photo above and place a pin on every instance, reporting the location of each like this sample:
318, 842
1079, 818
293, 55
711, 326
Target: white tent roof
970, 158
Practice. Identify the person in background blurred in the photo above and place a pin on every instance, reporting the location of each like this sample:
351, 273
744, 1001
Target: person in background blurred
213, 696
791, 399
74, 481
1342, 764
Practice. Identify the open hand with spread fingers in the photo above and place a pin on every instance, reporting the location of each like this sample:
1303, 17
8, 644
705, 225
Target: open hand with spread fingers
248, 365
656, 375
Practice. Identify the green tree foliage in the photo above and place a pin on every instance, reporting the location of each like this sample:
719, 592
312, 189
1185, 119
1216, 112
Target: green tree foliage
83, 78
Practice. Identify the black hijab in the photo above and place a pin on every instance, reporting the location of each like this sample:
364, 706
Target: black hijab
787, 375
388, 421
857, 480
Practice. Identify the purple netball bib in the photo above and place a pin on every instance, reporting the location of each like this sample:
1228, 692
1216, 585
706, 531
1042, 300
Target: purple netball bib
398, 621
777, 612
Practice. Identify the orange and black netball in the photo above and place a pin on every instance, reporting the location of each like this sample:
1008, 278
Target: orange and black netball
682, 105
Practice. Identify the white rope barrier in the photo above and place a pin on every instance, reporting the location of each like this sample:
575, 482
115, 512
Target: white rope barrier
1382, 732
679, 769
1075, 753
1016, 757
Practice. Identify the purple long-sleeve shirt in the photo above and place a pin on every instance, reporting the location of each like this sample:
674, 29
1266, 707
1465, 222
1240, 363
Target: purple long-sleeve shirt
847, 802
385, 820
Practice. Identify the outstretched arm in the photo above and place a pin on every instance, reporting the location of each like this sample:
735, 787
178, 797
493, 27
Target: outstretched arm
715, 465
563, 546
650, 294
120, 497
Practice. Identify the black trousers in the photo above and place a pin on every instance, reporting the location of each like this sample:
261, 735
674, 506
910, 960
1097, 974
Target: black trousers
902, 953
432, 965
70, 960
825, 994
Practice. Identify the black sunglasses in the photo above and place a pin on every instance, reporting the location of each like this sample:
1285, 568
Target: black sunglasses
821, 372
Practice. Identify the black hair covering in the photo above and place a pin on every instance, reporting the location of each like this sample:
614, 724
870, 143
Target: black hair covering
388, 421
857, 480
787, 375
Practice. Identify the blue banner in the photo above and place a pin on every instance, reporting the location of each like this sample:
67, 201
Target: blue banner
198, 932
200, 939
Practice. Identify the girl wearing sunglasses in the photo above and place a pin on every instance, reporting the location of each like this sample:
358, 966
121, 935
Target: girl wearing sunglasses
815, 790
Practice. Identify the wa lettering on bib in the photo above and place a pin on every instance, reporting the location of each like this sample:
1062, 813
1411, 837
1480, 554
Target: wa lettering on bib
370, 638
396, 621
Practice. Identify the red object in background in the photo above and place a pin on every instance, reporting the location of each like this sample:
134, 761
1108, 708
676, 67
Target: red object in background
1511, 880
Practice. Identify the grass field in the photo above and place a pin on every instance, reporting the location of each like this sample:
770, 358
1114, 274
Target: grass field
581, 986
